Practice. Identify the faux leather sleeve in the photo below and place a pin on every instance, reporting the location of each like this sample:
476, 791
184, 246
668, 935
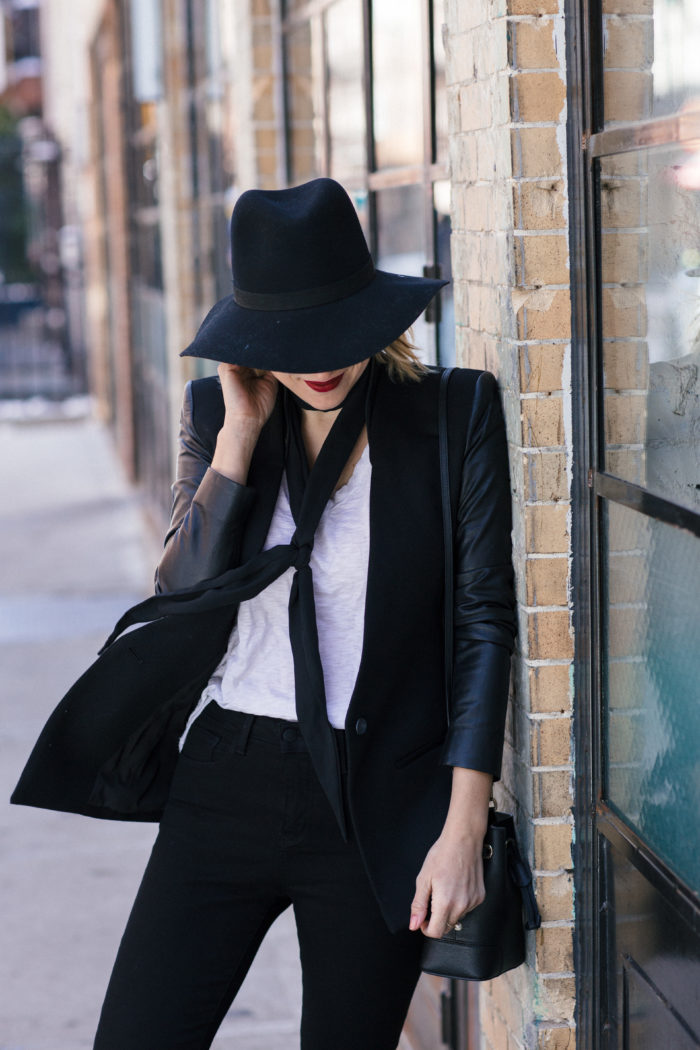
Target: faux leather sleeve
209, 512
484, 603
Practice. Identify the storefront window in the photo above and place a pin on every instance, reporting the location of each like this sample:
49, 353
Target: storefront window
346, 112
652, 668
650, 247
397, 64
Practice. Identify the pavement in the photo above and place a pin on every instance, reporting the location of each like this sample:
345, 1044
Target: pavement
75, 551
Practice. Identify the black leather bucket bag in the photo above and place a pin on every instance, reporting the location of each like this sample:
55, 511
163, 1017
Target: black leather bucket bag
490, 939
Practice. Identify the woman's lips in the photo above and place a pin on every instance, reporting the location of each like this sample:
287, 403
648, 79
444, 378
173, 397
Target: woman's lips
330, 384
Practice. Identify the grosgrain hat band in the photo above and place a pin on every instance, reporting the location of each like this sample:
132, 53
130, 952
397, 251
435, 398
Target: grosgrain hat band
306, 297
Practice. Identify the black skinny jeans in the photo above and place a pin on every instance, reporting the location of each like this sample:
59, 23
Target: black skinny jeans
247, 832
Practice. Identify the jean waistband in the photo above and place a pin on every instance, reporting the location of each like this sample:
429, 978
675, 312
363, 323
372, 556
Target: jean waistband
240, 727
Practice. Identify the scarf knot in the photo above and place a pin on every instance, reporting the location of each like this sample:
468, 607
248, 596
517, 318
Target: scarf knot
302, 554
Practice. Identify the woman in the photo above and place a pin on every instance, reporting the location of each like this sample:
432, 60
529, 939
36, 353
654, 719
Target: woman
295, 653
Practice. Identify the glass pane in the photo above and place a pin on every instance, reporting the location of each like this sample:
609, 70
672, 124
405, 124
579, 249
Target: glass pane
400, 247
651, 672
304, 127
440, 115
650, 248
346, 105
446, 323
397, 69
650, 57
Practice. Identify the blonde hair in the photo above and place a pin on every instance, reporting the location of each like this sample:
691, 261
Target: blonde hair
401, 360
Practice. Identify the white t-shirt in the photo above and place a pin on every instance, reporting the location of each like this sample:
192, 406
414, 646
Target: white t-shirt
256, 674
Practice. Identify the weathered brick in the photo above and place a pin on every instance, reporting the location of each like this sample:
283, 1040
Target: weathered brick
533, 7
554, 949
537, 96
558, 997
545, 476
541, 368
561, 1038
549, 635
551, 794
555, 893
546, 529
627, 95
550, 688
532, 45
543, 421
542, 260
539, 205
475, 106
535, 151
553, 847
546, 581
550, 738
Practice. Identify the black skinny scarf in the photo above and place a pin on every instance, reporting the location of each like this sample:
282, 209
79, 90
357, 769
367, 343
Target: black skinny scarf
309, 492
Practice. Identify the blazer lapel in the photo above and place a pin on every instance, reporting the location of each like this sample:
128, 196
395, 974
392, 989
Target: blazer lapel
405, 523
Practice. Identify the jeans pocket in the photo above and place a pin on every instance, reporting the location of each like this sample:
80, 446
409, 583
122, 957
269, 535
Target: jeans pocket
201, 745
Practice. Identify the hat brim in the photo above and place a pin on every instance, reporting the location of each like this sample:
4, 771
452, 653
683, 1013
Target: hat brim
318, 338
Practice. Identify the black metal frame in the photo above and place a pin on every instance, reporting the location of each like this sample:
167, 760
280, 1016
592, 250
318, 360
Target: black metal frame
598, 827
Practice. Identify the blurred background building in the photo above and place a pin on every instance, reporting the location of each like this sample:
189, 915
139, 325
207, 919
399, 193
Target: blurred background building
545, 155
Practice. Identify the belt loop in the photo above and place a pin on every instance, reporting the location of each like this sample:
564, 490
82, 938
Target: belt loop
243, 732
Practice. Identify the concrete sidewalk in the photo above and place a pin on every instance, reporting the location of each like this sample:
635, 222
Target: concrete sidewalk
74, 553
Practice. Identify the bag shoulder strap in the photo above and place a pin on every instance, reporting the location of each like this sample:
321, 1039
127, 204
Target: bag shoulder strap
447, 534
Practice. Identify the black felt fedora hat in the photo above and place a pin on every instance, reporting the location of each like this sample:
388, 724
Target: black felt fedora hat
306, 295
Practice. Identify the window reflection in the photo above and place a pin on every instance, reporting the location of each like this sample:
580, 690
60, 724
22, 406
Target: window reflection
652, 666
650, 241
651, 57
397, 82
346, 116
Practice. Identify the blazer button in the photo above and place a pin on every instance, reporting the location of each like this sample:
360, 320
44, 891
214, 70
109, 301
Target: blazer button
361, 726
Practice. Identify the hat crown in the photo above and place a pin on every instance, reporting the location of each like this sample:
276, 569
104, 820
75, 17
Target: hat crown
295, 240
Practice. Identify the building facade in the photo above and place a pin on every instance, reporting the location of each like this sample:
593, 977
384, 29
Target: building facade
545, 156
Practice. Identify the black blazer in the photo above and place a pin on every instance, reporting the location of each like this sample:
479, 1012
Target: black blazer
110, 747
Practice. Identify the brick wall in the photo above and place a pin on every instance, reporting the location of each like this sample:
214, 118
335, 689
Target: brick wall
507, 108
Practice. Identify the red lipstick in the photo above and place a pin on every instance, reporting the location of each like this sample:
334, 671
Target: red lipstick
329, 384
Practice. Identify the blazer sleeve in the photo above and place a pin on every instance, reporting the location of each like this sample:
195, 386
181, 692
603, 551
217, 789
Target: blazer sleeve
209, 512
485, 622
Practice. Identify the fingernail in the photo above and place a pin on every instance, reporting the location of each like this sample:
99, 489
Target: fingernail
413, 924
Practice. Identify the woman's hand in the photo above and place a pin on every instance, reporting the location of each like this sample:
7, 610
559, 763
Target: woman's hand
451, 881
249, 399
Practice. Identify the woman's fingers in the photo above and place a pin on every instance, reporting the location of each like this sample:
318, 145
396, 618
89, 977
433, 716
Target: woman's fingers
450, 884
419, 905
